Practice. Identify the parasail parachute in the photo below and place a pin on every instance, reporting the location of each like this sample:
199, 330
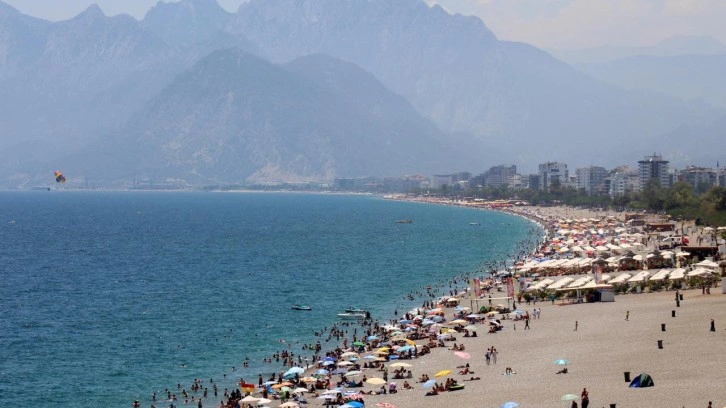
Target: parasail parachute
59, 177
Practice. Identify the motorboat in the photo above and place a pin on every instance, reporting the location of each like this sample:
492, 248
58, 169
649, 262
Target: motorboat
348, 315
355, 310
301, 307
404, 222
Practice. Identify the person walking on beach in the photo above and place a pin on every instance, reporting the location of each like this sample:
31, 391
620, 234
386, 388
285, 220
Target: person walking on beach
713, 326
488, 355
585, 398
526, 322
576, 325
627, 315
494, 355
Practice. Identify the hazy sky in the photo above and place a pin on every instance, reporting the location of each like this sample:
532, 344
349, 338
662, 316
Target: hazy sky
562, 24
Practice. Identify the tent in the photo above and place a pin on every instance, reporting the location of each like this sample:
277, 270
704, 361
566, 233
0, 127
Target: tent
642, 380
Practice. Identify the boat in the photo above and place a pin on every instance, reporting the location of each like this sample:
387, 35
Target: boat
355, 310
348, 315
301, 307
404, 221
474, 223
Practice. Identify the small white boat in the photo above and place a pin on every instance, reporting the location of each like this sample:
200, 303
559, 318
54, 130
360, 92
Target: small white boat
474, 223
348, 315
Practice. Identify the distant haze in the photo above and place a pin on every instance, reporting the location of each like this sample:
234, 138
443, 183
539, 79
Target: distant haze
549, 24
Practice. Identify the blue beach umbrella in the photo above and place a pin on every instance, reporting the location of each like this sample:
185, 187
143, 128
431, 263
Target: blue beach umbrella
295, 370
562, 361
354, 404
372, 338
510, 404
429, 383
322, 372
327, 363
404, 321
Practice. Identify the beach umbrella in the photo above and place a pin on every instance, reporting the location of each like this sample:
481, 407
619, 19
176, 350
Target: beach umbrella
492, 313
289, 405
354, 404
298, 390
328, 363
470, 328
400, 364
353, 373
270, 382
463, 354
375, 381
359, 344
429, 384
344, 363
510, 404
442, 373
263, 401
349, 354
322, 371
308, 379
569, 397
370, 338
405, 348
562, 361
295, 370
385, 405
458, 321
249, 398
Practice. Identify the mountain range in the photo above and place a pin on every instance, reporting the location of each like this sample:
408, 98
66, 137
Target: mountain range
297, 90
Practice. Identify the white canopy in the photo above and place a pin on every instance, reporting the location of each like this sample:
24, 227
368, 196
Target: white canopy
699, 272
678, 273
707, 264
640, 276
580, 281
560, 283
660, 275
620, 278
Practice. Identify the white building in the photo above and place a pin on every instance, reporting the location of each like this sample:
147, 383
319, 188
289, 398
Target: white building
653, 168
591, 179
553, 172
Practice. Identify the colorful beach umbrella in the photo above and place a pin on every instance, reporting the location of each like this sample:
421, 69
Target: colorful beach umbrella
376, 381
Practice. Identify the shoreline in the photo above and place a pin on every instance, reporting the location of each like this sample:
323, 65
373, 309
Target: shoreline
601, 353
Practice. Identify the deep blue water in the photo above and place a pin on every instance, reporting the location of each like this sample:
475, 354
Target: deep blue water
108, 296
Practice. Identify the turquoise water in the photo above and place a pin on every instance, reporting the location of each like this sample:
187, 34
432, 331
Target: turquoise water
106, 297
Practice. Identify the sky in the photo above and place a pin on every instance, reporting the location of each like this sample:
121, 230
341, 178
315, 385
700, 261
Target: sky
549, 24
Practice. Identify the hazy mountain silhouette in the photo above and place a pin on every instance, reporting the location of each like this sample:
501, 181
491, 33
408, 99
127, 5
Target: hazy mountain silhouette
170, 95
234, 118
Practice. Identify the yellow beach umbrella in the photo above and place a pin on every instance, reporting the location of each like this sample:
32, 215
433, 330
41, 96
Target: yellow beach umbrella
376, 381
411, 342
442, 373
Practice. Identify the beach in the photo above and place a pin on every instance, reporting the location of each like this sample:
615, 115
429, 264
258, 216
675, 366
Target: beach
687, 371
602, 342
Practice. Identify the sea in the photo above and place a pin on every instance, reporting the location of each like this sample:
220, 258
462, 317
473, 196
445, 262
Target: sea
109, 297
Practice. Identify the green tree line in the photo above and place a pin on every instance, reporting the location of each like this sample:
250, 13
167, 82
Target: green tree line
679, 201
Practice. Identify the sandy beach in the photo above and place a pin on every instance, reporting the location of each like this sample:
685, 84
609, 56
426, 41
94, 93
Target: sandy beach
687, 372
597, 340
